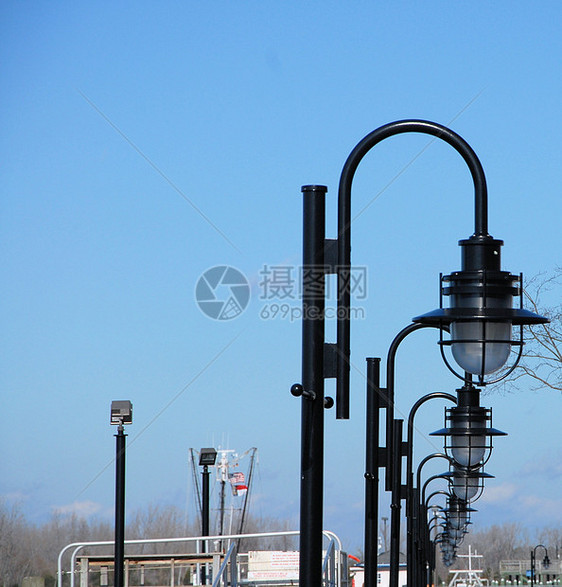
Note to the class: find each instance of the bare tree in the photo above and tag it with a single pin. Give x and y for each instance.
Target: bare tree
(15, 559)
(158, 521)
(551, 537)
(507, 541)
(541, 359)
(266, 524)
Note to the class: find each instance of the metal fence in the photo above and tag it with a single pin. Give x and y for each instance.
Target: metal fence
(212, 560)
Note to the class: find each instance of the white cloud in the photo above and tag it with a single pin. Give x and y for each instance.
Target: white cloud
(516, 503)
(547, 509)
(548, 466)
(499, 493)
(14, 497)
(82, 509)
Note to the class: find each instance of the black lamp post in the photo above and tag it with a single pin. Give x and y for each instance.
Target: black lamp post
(388, 457)
(545, 562)
(207, 458)
(443, 539)
(412, 491)
(471, 441)
(429, 546)
(480, 318)
(121, 414)
(424, 554)
(456, 514)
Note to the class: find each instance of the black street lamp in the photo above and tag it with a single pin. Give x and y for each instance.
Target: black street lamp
(448, 539)
(428, 550)
(481, 314)
(545, 562)
(456, 516)
(207, 458)
(468, 432)
(412, 491)
(121, 414)
(388, 457)
(458, 513)
(479, 317)
(424, 553)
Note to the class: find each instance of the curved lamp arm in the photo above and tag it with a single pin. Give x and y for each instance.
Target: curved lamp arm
(436, 455)
(344, 225)
(540, 546)
(427, 482)
(438, 492)
(410, 432)
(546, 561)
(390, 381)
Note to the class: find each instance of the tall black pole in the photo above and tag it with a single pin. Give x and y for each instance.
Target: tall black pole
(204, 517)
(312, 420)
(412, 494)
(395, 505)
(372, 471)
(205, 503)
(119, 552)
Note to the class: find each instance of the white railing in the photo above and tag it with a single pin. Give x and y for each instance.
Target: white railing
(334, 572)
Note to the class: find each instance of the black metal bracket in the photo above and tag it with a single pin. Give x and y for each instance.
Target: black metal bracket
(383, 395)
(331, 255)
(298, 390)
(330, 360)
(382, 457)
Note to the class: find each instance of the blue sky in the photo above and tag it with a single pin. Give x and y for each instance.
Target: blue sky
(145, 142)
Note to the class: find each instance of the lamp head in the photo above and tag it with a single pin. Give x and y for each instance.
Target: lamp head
(467, 485)
(456, 535)
(207, 457)
(458, 513)
(121, 412)
(447, 546)
(480, 315)
(468, 432)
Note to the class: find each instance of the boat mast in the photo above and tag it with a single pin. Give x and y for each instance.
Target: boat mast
(249, 485)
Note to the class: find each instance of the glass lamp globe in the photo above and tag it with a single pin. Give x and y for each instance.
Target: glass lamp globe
(485, 356)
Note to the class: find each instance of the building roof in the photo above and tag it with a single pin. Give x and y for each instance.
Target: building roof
(384, 558)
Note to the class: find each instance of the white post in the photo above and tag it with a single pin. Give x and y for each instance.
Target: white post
(84, 567)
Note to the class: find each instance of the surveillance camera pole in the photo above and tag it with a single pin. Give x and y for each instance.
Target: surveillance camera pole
(119, 506)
